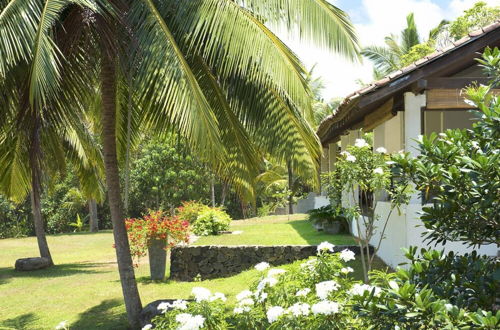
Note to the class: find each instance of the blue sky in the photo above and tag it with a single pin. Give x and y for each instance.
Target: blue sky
(373, 20)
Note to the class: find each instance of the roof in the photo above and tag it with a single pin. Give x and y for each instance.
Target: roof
(327, 132)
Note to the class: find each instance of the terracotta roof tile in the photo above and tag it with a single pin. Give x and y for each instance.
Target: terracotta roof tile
(423, 61)
(394, 74)
(461, 41)
(491, 27)
(382, 81)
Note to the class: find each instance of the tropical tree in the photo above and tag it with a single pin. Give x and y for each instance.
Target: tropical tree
(209, 70)
(394, 55)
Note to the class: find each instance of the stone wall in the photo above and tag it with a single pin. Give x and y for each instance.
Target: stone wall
(187, 262)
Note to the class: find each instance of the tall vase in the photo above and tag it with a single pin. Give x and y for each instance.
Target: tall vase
(157, 259)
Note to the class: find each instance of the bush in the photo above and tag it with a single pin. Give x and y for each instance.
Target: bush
(468, 281)
(211, 222)
(190, 211)
(320, 294)
(328, 214)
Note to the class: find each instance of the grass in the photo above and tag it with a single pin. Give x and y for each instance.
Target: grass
(275, 230)
(84, 289)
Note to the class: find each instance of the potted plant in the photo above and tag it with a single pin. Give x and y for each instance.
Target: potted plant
(156, 233)
(330, 218)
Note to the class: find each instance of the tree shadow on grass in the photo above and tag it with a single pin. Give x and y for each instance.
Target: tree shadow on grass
(313, 237)
(104, 316)
(7, 273)
(21, 322)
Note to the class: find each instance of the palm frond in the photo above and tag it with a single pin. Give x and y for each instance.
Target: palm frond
(384, 60)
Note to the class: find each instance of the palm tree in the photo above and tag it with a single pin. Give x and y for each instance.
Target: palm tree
(387, 59)
(209, 70)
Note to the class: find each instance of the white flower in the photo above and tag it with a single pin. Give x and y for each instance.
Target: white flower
(275, 271)
(381, 150)
(325, 246)
(361, 143)
(246, 301)
(325, 307)
(359, 289)
(147, 327)
(218, 295)
(271, 281)
(469, 102)
(448, 307)
(62, 325)
(443, 135)
(262, 266)
(346, 270)
(475, 144)
(189, 322)
(347, 255)
(261, 296)
(179, 304)
(201, 294)
(299, 309)
(303, 292)
(344, 153)
(239, 310)
(350, 158)
(310, 264)
(163, 307)
(244, 294)
(378, 170)
(323, 289)
(274, 313)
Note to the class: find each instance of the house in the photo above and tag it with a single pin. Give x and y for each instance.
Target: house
(421, 98)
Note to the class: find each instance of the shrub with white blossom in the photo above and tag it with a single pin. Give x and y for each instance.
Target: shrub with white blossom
(360, 172)
(313, 294)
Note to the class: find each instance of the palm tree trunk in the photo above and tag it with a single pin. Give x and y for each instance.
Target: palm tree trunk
(125, 266)
(212, 190)
(290, 184)
(36, 191)
(93, 221)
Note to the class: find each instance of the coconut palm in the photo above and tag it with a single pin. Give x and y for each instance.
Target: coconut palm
(209, 70)
(387, 59)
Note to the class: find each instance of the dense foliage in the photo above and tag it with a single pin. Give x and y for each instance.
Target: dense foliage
(469, 281)
(164, 173)
(458, 171)
(321, 294)
(328, 214)
(211, 221)
(474, 18)
(155, 226)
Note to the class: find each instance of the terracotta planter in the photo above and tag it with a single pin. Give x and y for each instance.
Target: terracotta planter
(157, 259)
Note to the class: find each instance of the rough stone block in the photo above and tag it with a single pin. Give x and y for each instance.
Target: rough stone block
(27, 264)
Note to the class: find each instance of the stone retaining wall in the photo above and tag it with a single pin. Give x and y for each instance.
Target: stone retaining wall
(187, 262)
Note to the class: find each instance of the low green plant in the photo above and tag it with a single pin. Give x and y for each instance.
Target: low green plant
(328, 213)
(211, 222)
(190, 210)
(78, 224)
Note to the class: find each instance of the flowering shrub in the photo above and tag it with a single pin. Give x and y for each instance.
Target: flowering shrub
(320, 293)
(155, 226)
(371, 172)
(311, 295)
(211, 222)
(190, 211)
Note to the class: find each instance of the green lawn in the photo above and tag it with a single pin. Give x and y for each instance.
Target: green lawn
(84, 288)
(275, 230)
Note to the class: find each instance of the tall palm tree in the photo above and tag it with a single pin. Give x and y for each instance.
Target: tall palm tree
(387, 59)
(210, 70)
